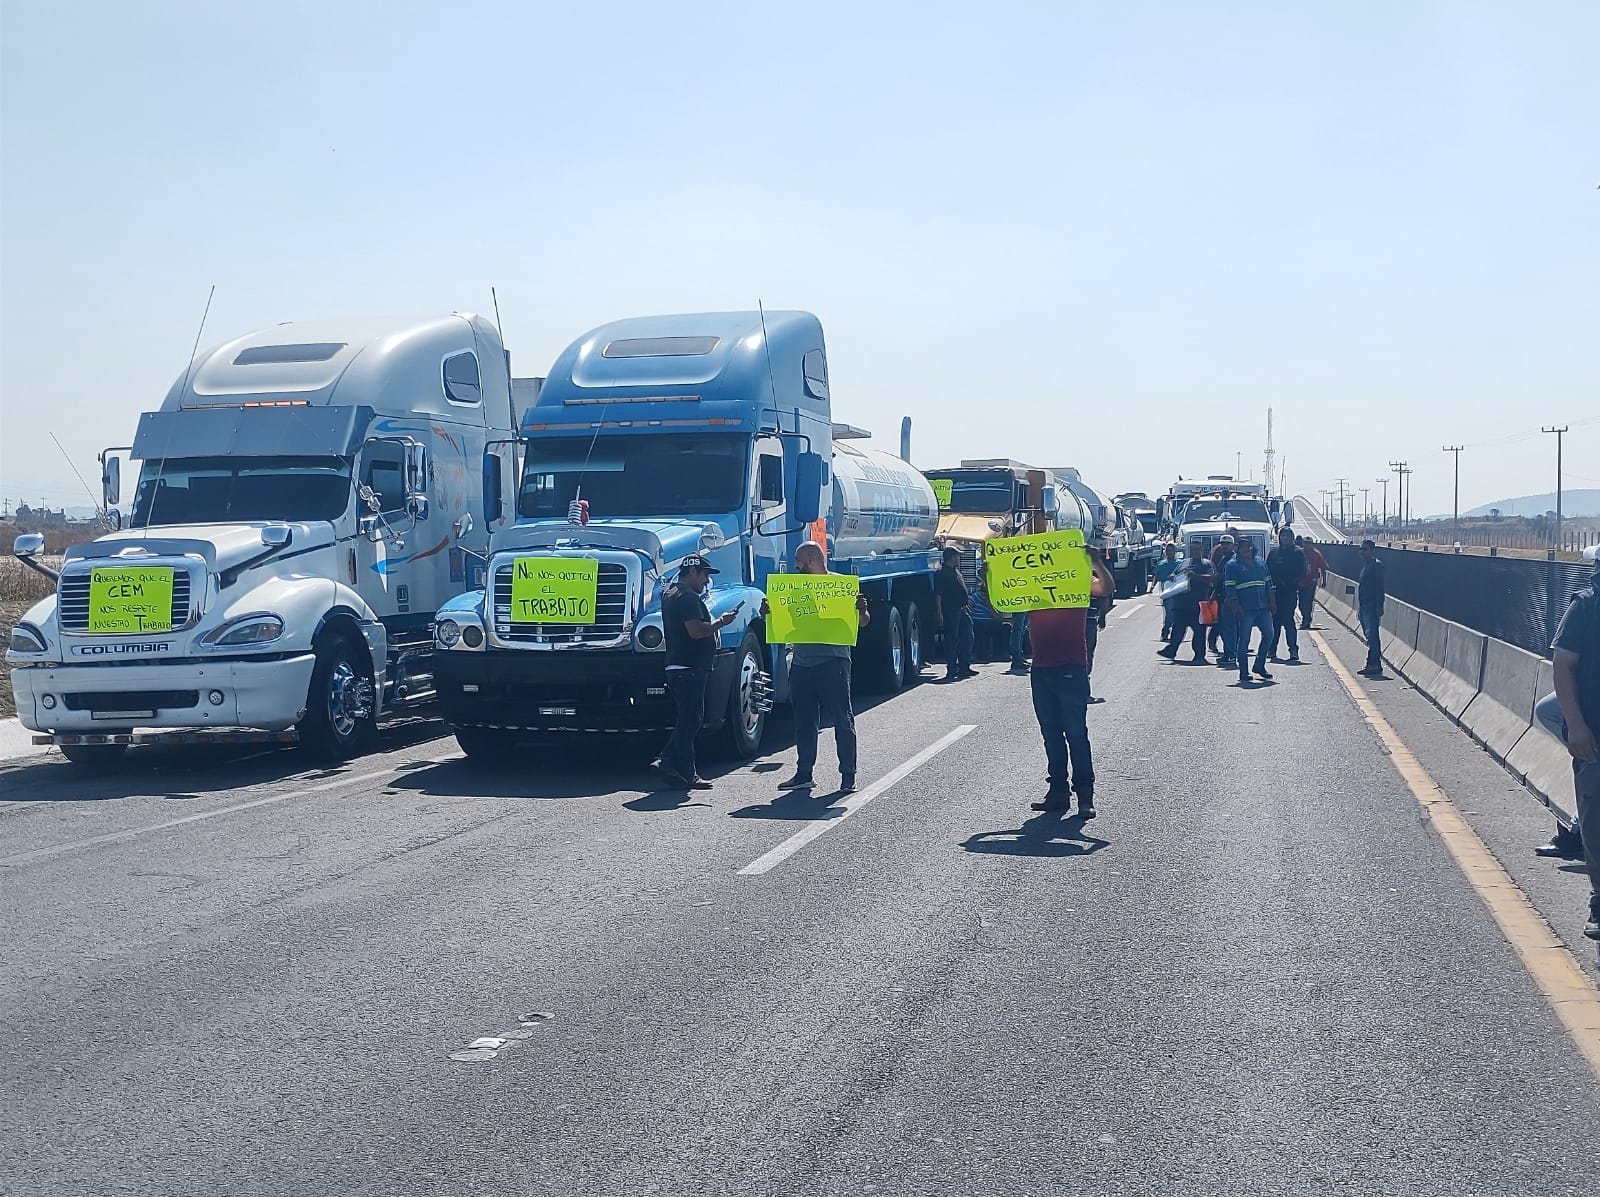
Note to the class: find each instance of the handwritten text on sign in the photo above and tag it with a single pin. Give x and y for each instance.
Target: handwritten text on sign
(813, 608)
(130, 598)
(1032, 573)
(554, 590)
(944, 490)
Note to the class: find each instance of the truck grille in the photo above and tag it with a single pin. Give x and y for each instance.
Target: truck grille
(72, 598)
(611, 613)
(133, 700)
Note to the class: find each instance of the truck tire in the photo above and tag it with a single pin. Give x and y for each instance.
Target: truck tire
(486, 745)
(341, 718)
(746, 723)
(911, 617)
(889, 653)
(1124, 584)
(97, 758)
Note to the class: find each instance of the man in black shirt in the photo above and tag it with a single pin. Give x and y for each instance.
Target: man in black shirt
(955, 614)
(691, 648)
(1287, 565)
(1577, 667)
(1369, 606)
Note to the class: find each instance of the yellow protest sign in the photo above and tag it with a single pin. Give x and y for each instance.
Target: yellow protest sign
(554, 590)
(944, 490)
(130, 598)
(813, 608)
(1031, 573)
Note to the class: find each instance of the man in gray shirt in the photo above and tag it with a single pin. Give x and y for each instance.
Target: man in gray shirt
(819, 683)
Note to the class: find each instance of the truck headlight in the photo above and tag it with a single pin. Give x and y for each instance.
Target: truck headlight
(260, 628)
(25, 638)
(447, 632)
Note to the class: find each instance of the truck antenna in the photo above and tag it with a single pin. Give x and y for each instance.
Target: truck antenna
(184, 386)
(75, 470)
(766, 347)
(511, 400)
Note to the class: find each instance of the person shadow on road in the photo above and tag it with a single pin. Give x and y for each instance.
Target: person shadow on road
(1046, 835)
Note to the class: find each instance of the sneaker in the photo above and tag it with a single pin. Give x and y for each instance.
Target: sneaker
(1261, 671)
(1227, 662)
(672, 776)
(800, 781)
(847, 783)
(1199, 659)
(1169, 653)
(699, 783)
(1566, 844)
(1086, 804)
(1020, 668)
(1592, 927)
(1294, 658)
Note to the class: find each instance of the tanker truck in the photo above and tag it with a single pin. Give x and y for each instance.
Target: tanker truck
(653, 438)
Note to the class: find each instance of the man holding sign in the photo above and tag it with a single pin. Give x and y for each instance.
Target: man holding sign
(820, 614)
(1051, 575)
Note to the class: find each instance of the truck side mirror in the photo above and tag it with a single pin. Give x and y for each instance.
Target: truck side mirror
(416, 470)
(1050, 502)
(1288, 514)
(29, 544)
(807, 507)
(111, 481)
(493, 502)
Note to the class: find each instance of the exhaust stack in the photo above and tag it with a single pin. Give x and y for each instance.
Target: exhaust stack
(905, 439)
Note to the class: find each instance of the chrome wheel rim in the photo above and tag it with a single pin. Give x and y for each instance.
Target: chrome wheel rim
(344, 686)
(749, 716)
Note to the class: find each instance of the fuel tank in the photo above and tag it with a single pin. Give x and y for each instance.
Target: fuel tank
(881, 504)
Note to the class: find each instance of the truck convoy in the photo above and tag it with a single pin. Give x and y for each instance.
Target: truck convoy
(987, 498)
(651, 439)
(288, 545)
(1129, 552)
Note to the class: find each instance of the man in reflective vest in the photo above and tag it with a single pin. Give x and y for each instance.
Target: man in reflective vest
(1246, 582)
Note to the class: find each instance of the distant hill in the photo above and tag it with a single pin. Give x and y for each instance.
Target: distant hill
(1577, 503)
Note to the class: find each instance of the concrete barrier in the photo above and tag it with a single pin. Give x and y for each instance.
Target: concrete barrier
(1461, 678)
(1502, 712)
(1423, 667)
(1399, 636)
(1541, 761)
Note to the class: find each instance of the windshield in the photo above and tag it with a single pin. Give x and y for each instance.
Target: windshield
(226, 490)
(1148, 521)
(1244, 511)
(990, 492)
(671, 475)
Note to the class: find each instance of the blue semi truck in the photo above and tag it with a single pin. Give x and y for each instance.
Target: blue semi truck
(653, 438)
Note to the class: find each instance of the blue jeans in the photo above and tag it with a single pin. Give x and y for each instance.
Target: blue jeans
(1019, 638)
(1061, 704)
(958, 644)
(1243, 625)
(1371, 619)
(823, 690)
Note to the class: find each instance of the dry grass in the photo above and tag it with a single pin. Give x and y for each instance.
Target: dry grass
(20, 588)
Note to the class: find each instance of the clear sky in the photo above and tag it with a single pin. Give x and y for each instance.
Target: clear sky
(1102, 235)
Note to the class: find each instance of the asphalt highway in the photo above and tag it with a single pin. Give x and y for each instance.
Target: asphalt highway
(1260, 970)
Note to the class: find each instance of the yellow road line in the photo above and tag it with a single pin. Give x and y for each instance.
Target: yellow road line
(1553, 968)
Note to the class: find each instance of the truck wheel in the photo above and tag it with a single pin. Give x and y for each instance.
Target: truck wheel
(746, 723)
(912, 616)
(94, 757)
(889, 668)
(486, 745)
(340, 717)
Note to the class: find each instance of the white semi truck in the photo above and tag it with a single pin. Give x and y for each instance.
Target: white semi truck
(291, 537)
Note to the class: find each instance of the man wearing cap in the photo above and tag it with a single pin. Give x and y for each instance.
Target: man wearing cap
(1577, 669)
(1369, 606)
(691, 650)
(1245, 583)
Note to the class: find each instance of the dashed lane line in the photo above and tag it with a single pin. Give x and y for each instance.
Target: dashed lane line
(1552, 966)
(768, 861)
(116, 837)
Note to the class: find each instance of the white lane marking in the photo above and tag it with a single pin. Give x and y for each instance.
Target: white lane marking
(489, 1047)
(115, 837)
(768, 861)
(1131, 611)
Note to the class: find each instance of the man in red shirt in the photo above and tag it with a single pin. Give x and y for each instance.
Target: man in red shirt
(1060, 683)
(1316, 574)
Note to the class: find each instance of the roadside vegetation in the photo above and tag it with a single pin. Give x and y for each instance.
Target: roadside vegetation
(20, 588)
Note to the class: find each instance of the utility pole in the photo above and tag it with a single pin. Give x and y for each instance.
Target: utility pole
(1455, 507)
(1266, 474)
(1366, 506)
(1341, 482)
(1560, 432)
(1384, 482)
(1406, 472)
(1238, 463)
(1399, 468)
